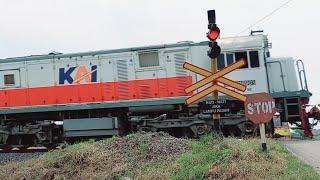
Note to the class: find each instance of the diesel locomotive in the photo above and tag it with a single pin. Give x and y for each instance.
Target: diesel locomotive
(47, 99)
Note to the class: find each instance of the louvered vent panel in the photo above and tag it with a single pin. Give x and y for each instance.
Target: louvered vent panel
(108, 91)
(145, 91)
(108, 88)
(124, 90)
(163, 86)
(181, 85)
(179, 59)
(122, 69)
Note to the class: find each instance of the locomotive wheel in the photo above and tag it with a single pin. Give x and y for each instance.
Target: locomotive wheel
(51, 146)
(6, 147)
(235, 132)
(199, 130)
(147, 129)
(23, 148)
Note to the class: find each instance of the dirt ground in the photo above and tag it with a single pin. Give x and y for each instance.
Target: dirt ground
(307, 150)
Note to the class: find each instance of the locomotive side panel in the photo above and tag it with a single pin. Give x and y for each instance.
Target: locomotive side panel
(11, 79)
(283, 75)
(199, 58)
(40, 73)
(106, 69)
(178, 77)
(112, 77)
(12, 75)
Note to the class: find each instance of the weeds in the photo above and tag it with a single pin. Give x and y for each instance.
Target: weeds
(160, 156)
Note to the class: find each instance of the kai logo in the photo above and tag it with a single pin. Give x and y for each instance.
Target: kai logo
(78, 74)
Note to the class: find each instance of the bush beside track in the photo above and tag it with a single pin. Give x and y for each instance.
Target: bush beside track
(160, 156)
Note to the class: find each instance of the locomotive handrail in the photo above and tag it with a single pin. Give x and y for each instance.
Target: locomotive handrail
(281, 73)
(301, 70)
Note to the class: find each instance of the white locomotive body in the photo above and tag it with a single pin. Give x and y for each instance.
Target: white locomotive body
(108, 92)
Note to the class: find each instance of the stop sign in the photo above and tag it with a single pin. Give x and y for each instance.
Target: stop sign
(260, 107)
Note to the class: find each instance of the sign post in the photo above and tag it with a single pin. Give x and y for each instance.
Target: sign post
(216, 117)
(263, 137)
(260, 109)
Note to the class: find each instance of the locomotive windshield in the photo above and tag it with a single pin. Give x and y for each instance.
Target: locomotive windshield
(230, 57)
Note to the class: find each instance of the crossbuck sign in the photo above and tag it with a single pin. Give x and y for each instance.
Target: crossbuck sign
(217, 80)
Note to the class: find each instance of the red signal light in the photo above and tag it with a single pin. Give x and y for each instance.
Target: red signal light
(213, 34)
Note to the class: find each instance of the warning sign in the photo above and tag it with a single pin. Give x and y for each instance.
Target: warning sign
(216, 107)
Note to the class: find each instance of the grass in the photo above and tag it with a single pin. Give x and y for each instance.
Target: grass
(143, 156)
(231, 158)
(194, 164)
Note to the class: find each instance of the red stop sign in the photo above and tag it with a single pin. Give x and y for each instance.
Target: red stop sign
(260, 107)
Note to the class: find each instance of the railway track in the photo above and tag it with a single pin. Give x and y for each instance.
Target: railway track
(31, 150)
(18, 155)
(28, 150)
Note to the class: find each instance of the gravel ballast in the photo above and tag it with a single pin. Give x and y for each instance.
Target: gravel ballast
(17, 157)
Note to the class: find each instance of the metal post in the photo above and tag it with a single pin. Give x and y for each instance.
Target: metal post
(263, 137)
(216, 117)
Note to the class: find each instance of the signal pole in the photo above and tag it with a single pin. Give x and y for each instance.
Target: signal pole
(216, 117)
(213, 53)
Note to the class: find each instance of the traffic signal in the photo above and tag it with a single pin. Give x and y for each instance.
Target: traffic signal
(213, 35)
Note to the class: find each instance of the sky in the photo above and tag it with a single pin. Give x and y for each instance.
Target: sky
(30, 27)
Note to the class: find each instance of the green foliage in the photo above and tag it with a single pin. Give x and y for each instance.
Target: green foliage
(205, 153)
(213, 157)
(295, 168)
(151, 156)
(194, 165)
(144, 148)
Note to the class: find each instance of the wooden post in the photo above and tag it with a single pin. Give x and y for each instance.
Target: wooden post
(216, 117)
(263, 137)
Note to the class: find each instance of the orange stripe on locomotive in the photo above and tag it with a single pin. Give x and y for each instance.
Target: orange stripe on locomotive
(96, 92)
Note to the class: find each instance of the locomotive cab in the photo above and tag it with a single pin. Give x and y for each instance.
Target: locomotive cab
(288, 85)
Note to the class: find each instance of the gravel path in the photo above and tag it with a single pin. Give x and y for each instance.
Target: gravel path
(16, 157)
(307, 150)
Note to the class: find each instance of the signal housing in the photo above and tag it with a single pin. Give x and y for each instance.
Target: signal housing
(213, 35)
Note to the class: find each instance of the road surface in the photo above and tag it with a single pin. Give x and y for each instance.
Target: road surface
(307, 150)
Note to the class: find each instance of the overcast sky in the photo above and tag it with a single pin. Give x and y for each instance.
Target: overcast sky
(42, 26)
